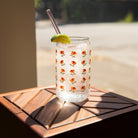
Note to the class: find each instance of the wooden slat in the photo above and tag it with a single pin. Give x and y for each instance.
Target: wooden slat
(106, 105)
(66, 115)
(84, 114)
(49, 112)
(35, 126)
(124, 98)
(77, 124)
(26, 90)
(99, 89)
(13, 97)
(24, 98)
(81, 103)
(107, 99)
(94, 90)
(102, 94)
(116, 95)
(23, 117)
(44, 109)
(37, 102)
(53, 90)
(99, 111)
(11, 107)
(53, 97)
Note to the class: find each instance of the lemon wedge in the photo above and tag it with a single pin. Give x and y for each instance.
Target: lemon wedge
(61, 38)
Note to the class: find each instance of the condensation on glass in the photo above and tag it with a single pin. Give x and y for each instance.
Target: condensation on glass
(73, 70)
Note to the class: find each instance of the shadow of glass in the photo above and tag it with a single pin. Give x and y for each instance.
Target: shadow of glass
(68, 110)
(57, 113)
(101, 104)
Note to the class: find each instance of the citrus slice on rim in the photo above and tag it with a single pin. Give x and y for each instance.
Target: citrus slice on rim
(61, 38)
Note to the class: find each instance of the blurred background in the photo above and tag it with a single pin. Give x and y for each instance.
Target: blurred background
(112, 26)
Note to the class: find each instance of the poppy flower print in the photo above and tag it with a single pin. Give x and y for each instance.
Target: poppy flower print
(90, 52)
(62, 87)
(84, 71)
(62, 79)
(62, 71)
(62, 63)
(83, 63)
(62, 53)
(89, 86)
(84, 53)
(83, 79)
(56, 69)
(90, 61)
(56, 77)
(73, 89)
(72, 80)
(89, 77)
(89, 70)
(72, 72)
(69, 67)
(73, 63)
(73, 53)
(83, 88)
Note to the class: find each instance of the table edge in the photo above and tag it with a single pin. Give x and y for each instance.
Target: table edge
(72, 126)
(22, 116)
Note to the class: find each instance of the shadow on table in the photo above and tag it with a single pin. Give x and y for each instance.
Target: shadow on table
(12, 127)
(55, 113)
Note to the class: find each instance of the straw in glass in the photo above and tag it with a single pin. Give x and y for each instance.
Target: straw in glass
(49, 13)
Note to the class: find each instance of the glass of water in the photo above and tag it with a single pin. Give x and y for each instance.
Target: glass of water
(73, 70)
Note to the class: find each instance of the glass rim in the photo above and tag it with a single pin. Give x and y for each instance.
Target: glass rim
(78, 38)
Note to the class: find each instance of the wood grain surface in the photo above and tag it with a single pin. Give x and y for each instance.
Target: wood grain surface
(45, 114)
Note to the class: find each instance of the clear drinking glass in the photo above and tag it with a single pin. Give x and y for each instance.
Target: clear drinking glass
(73, 70)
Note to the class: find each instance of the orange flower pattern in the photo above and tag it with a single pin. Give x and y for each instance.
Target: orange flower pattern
(84, 53)
(73, 89)
(62, 71)
(72, 80)
(62, 79)
(90, 61)
(73, 53)
(62, 87)
(89, 70)
(62, 63)
(83, 63)
(56, 69)
(89, 86)
(84, 71)
(83, 88)
(72, 71)
(83, 79)
(90, 52)
(74, 64)
(62, 53)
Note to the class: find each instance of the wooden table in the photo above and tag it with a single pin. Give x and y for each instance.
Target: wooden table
(40, 109)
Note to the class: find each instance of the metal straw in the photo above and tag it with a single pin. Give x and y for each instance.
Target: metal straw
(49, 13)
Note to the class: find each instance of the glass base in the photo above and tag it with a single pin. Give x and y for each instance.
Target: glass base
(72, 97)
